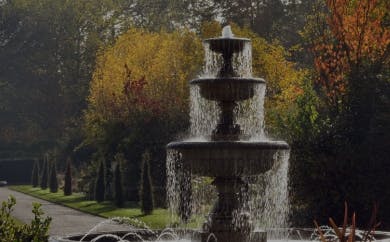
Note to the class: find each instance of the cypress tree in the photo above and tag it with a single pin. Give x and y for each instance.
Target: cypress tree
(44, 175)
(35, 175)
(53, 182)
(68, 179)
(146, 187)
(99, 184)
(118, 182)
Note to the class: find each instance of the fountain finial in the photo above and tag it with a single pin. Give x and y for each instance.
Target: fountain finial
(227, 32)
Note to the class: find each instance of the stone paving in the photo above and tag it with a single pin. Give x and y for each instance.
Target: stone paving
(65, 220)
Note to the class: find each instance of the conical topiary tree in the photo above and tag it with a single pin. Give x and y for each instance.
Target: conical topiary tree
(35, 174)
(44, 175)
(146, 186)
(68, 179)
(53, 182)
(100, 184)
(118, 182)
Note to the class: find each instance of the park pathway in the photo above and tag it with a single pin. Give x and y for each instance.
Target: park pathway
(65, 220)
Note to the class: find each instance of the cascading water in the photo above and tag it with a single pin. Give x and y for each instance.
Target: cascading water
(269, 192)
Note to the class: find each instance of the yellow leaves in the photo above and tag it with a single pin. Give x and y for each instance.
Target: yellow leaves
(166, 61)
(210, 29)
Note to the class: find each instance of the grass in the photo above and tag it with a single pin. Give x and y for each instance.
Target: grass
(159, 219)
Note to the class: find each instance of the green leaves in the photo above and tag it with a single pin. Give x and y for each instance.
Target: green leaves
(10, 231)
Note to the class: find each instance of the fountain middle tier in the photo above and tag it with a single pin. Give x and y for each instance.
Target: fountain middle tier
(227, 88)
(227, 158)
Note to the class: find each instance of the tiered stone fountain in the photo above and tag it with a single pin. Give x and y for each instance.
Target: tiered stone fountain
(227, 154)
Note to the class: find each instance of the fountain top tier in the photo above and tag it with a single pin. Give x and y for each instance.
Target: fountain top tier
(227, 87)
(227, 45)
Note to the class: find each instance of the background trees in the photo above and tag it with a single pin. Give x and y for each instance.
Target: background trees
(47, 51)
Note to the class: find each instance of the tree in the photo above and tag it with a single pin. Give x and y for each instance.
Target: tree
(146, 186)
(45, 173)
(53, 46)
(35, 174)
(53, 182)
(344, 50)
(118, 182)
(68, 179)
(100, 184)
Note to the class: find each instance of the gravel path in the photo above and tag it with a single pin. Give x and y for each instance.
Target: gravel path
(65, 220)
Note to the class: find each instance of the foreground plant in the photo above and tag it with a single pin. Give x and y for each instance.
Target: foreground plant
(10, 231)
(348, 234)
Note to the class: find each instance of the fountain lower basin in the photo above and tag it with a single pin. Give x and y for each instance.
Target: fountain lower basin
(228, 158)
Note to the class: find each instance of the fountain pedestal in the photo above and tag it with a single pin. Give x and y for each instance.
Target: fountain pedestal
(225, 215)
(227, 221)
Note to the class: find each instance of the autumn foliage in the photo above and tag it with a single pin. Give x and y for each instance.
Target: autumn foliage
(144, 72)
(356, 36)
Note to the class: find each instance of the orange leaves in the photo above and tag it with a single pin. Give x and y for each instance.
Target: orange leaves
(356, 36)
(358, 27)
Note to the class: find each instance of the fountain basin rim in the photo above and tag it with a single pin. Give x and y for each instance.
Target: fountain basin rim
(227, 38)
(266, 145)
(224, 80)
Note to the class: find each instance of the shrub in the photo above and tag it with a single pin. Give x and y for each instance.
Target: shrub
(12, 232)
(35, 174)
(100, 185)
(68, 179)
(146, 187)
(44, 175)
(53, 182)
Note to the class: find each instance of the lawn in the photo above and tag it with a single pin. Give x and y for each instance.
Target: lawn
(159, 218)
